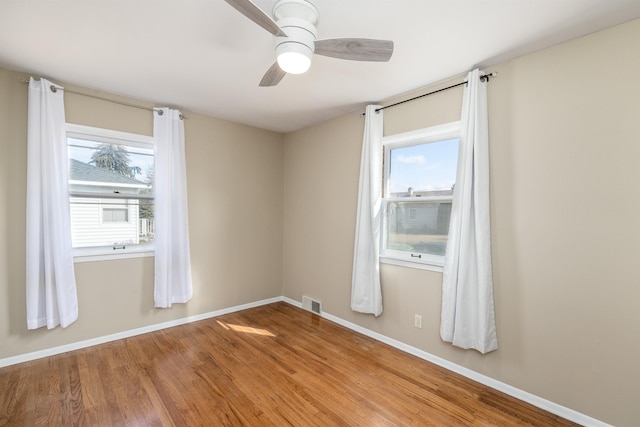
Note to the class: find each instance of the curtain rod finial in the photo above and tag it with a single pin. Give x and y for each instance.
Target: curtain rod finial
(486, 77)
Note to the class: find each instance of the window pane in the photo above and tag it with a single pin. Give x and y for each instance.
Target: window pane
(105, 170)
(423, 169)
(420, 227)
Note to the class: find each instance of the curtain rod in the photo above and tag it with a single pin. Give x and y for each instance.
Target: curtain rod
(55, 88)
(484, 77)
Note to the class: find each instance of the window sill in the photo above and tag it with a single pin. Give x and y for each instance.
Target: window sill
(103, 254)
(416, 265)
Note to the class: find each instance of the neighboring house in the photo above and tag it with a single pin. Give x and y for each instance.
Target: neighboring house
(103, 221)
(420, 226)
(429, 217)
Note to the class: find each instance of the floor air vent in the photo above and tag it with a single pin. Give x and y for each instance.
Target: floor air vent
(311, 305)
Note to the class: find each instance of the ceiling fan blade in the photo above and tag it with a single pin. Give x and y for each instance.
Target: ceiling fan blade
(253, 12)
(273, 76)
(356, 49)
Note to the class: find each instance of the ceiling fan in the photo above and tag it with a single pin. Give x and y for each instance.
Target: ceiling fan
(294, 27)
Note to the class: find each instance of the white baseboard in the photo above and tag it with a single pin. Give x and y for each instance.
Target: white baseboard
(532, 399)
(130, 333)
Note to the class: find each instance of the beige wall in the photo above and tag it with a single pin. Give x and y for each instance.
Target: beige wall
(565, 193)
(235, 211)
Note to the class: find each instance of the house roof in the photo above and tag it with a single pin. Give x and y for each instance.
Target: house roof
(79, 171)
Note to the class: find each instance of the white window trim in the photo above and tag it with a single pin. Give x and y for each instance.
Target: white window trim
(433, 266)
(109, 136)
(422, 136)
(105, 253)
(406, 139)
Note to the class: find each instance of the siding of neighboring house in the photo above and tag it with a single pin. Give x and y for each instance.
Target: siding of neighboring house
(426, 218)
(430, 218)
(90, 229)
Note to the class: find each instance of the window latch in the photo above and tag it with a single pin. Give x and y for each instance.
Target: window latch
(416, 256)
(119, 247)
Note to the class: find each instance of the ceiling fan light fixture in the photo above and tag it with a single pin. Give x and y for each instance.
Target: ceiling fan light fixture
(295, 51)
(294, 58)
(294, 26)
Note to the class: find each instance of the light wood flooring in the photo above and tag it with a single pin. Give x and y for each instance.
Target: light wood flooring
(274, 365)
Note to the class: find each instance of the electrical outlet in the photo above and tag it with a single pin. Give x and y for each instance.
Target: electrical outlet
(417, 321)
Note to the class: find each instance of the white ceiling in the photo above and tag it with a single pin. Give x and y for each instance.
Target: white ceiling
(204, 56)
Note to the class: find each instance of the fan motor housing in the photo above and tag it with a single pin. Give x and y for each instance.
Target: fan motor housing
(298, 19)
(299, 32)
(295, 9)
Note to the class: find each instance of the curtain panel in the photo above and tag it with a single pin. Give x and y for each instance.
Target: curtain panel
(468, 313)
(366, 292)
(50, 277)
(172, 254)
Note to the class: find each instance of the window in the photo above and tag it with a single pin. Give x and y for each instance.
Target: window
(115, 214)
(111, 191)
(419, 180)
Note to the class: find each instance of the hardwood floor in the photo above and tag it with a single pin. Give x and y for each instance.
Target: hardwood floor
(274, 365)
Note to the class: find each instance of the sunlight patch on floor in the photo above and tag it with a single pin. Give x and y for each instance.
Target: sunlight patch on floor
(245, 329)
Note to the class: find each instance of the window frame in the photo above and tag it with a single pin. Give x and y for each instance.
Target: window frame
(99, 253)
(408, 139)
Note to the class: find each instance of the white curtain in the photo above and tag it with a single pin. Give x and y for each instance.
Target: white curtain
(366, 293)
(468, 315)
(50, 277)
(172, 256)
